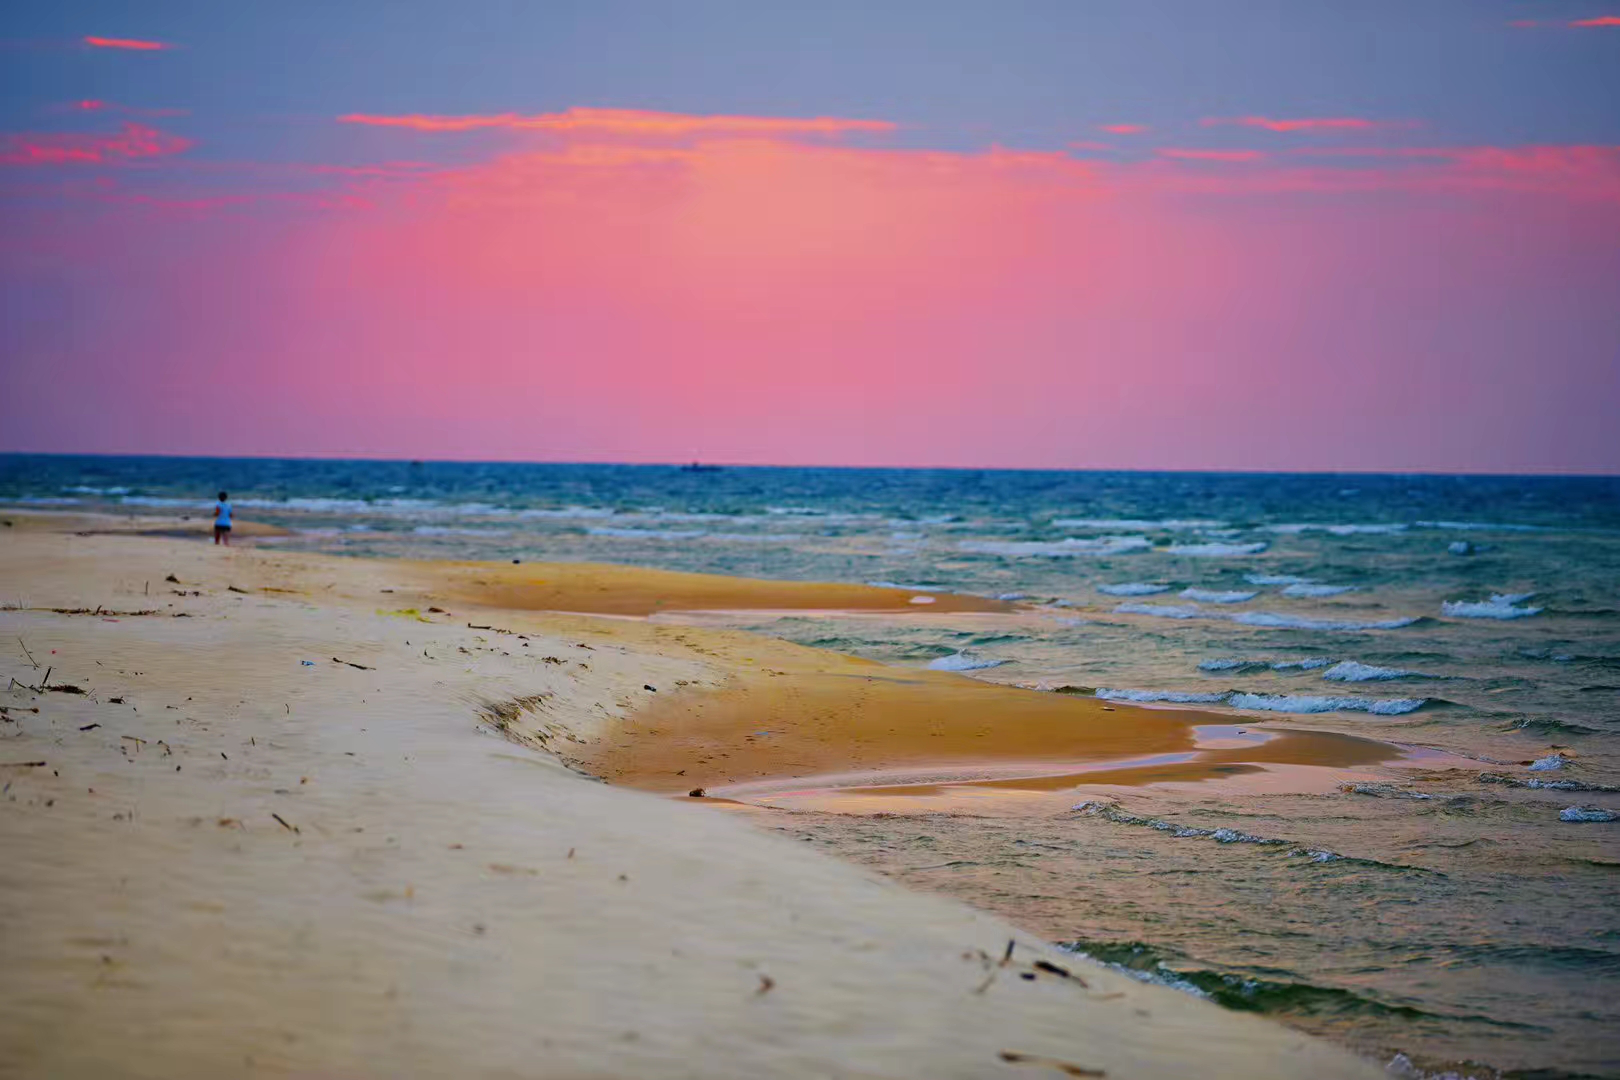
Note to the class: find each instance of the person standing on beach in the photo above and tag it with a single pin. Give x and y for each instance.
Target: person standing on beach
(222, 519)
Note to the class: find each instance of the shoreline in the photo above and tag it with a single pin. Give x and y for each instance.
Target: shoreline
(236, 860)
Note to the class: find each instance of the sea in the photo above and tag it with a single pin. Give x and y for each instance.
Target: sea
(1463, 922)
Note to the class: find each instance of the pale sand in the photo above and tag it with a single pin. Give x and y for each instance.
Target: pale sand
(453, 903)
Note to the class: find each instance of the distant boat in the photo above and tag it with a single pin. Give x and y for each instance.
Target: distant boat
(698, 466)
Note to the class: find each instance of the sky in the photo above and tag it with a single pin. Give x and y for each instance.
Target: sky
(1188, 234)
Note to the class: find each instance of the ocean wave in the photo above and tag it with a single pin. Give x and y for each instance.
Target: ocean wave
(907, 588)
(644, 534)
(1278, 621)
(1164, 611)
(1499, 606)
(1216, 550)
(1270, 620)
(453, 530)
(1133, 588)
(1338, 530)
(1479, 526)
(1310, 663)
(1549, 763)
(1302, 589)
(83, 489)
(1134, 523)
(1215, 596)
(963, 662)
(1283, 703)
(1354, 671)
(1276, 579)
(1160, 695)
(1309, 703)
(1232, 665)
(46, 500)
(1587, 813)
(1535, 782)
(1067, 548)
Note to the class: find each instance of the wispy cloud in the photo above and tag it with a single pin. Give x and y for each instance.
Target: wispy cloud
(1210, 155)
(98, 105)
(1123, 129)
(132, 142)
(135, 44)
(1312, 125)
(1601, 20)
(637, 122)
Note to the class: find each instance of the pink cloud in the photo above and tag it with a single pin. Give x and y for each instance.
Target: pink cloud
(1210, 155)
(1312, 125)
(628, 122)
(132, 142)
(1123, 129)
(1601, 20)
(126, 43)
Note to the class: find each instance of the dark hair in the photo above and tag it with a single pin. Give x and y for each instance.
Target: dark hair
(223, 496)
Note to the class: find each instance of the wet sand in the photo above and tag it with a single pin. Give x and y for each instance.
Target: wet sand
(230, 861)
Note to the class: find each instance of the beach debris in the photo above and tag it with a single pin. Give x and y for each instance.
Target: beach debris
(765, 984)
(1586, 813)
(1006, 957)
(307, 663)
(649, 686)
(1058, 970)
(87, 727)
(437, 611)
(233, 588)
(22, 765)
(26, 653)
(172, 580)
(283, 822)
(352, 664)
(65, 688)
(516, 561)
(115, 701)
(695, 793)
(1067, 1068)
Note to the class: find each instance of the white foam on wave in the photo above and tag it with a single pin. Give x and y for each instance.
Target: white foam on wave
(1312, 703)
(1216, 550)
(1499, 606)
(1134, 523)
(1278, 621)
(1479, 526)
(1308, 664)
(1303, 589)
(451, 530)
(1216, 596)
(1164, 611)
(84, 489)
(1586, 813)
(1133, 588)
(1275, 579)
(1175, 696)
(963, 662)
(644, 534)
(1548, 763)
(1270, 620)
(1354, 671)
(908, 588)
(1067, 548)
(1226, 664)
(1380, 529)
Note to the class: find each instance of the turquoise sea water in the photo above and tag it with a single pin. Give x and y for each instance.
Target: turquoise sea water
(1474, 615)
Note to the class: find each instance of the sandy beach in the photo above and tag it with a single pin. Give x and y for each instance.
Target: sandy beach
(300, 815)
